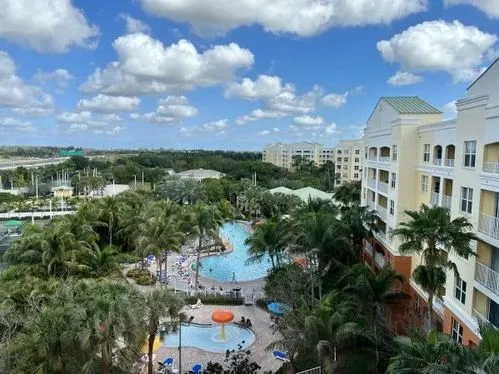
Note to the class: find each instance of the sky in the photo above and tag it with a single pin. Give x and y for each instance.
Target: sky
(228, 74)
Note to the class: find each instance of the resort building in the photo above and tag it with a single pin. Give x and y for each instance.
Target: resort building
(304, 193)
(200, 174)
(348, 161)
(414, 158)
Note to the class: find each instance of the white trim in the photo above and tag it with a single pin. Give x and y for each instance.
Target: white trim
(470, 321)
(472, 102)
(440, 171)
(444, 125)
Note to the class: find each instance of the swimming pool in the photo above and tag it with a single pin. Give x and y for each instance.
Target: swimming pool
(208, 338)
(221, 267)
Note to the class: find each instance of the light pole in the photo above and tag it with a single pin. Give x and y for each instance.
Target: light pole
(180, 342)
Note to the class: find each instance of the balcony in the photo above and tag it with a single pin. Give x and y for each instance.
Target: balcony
(379, 258)
(487, 277)
(491, 167)
(381, 211)
(384, 158)
(371, 205)
(446, 201)
(437, 162)
(383, 187)
(489, 225)
(449, 163)
(371, 183)
(482, 319)
(368, 248)
(434, 199)
(438, 306)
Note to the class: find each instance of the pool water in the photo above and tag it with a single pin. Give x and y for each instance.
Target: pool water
(222, 267)
(208, 338)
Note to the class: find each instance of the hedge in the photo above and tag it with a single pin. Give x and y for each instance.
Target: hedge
(215, 300)
(261, 303)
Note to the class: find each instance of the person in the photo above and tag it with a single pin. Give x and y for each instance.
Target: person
(243, 321)
(248, 323)
(234, 277)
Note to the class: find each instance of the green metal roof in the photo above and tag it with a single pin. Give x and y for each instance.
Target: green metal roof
(410, 105)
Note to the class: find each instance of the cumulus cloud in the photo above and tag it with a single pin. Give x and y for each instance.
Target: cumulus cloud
(85, 121)
(312, 126)
(146, 66)
(134, 25)
(337, 100)
(404, 78)
(264, 87)
(489, 7)
(450, 109)
(267, 132)
(171, 110)
(217, 127)
(300, 17)
(18, 96)
(439, 46)
(105, 103)
(46, 25)
(15, 124)
(61, 77)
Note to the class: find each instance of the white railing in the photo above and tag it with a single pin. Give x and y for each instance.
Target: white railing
(43, 214)
(371, 205)
(491, 167)
(449, 162)
(373, 158)
(446, 201)
(368, 248)
(371, 183)
(381, 211)
(438, 306)
(384, 158)
(489, 225)
(380, 259)
(316, 370)
(434, 198)
(383, 187)
(481, 318)
(437, 161)
(487, 277)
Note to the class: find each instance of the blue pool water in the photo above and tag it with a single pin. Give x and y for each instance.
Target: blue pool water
(208, 338)
(221, 267)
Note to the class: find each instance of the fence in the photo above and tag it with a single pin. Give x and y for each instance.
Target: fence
(316, 370)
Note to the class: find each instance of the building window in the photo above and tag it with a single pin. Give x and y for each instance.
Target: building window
(466, 199)
(417, 304)
(338, 151)
(345, 167)
(345, 175)
(457, 331)
(460, 290)
(356, 175)
(424, 183)
(345, 159)
(392, 207)
(357, 151)
(357, 159)
(356, 167)
(339, 159)
(394, 152)
(469, 154)
(426, 153)
(394, 180)
(338, 167)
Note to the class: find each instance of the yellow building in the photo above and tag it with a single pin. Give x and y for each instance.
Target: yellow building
(413, 157)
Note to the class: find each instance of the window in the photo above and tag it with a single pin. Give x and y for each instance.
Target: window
(339, 159)
(356, 175)
(345, 159)
(457, 331)
(338, 167)
(466, 199)
(357, 151)
(345, 167)
(424, 183)
(392, 207)
(426, 153)
(460, 290)
(356, 167)
(338, 151)
(417, 304)
(394, 152)
(345, 175)
(394, 180)
(357, 159)
(469, 154)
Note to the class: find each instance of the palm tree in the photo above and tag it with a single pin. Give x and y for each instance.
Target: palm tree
(432, 234)
(358, 223)
(348, 194)
(163, 315)
(269, 238)
(110, 207)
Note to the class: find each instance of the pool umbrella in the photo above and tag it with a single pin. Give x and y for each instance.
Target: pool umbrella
(156, 346)
(222, 316)
(278, 308)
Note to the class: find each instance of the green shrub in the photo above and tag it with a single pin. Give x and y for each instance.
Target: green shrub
(215, 300)
(261, 303)
(145, 280)
(136, 273)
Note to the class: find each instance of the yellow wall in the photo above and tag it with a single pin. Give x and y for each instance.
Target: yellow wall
(491, 152)
(422, 197)
(480, 302)
(488, 202)
(484, 253)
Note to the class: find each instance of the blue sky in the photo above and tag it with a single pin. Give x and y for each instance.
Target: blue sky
(228, 74)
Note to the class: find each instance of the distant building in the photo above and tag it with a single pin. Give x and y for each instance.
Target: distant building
(200, 174)
(348, 161)
(63, 191)
(304, 193)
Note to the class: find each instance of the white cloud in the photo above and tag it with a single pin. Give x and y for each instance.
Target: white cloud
(439, 46)
(217, 127)
(449, 109)
(336, 100)
(111, 117)
(146, 66)
(17, 95)
(403, 78)
(308, 121)
(489, 7)
(134, 25)
(276, 129)
(61, 77)
(312, 126)
(105, 103)
(46, 25)
(267, 132)
(264, 87)
(301, 17)
(15, 124)
(85, 121)
(171, 110)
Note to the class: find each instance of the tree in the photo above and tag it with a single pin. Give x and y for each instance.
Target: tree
(348, 193)
(268, 239)
(432, 234)
(110, 207)
(162, 310)
(235, 363)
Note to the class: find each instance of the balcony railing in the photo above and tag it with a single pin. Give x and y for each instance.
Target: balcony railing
(449, 162)
(368, 248)
(491, 167)
(487, 277)
(384, 158)
(381, 211)
(437, 161)
(379, 258)
(371, 183)
(373, 158)
(434, 198)
(438, 306)
(481, 318)
(446, 201)
(489, 225)
(383, 187)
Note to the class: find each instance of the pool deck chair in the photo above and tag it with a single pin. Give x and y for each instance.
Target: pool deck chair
(198, 305)
(280, 355)
(169, 361)
(197, 368)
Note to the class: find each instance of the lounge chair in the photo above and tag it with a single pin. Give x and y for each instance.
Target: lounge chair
(283, 356)
(198, 305)
(197, 368)
(169, 361)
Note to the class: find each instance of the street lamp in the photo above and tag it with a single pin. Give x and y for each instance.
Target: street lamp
(180, 341)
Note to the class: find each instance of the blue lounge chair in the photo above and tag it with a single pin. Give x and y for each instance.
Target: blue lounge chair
(283, 356)
(169, 361)
(197, 368)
